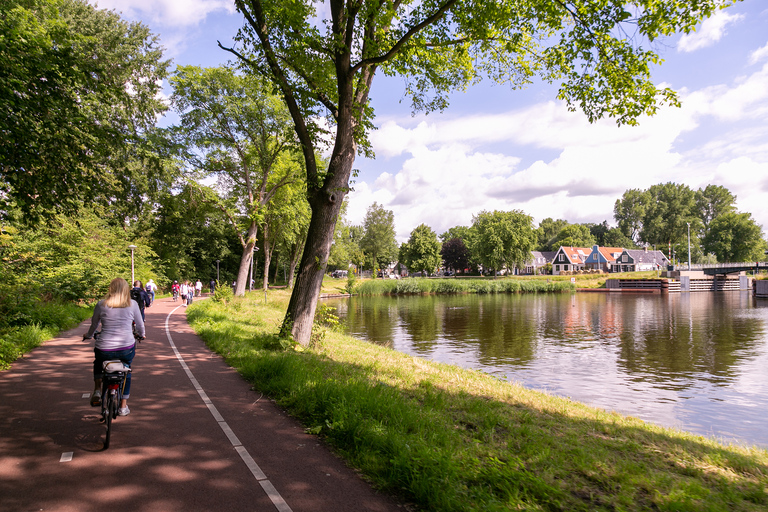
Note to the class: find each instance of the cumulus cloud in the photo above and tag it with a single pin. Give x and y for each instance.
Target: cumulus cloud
(711, 31)
(759, 55)
(172, 13)
(445, 173)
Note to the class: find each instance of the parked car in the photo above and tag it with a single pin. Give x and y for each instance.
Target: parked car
(339, 274)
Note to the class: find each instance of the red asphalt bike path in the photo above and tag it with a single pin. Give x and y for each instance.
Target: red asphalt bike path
(198, 436)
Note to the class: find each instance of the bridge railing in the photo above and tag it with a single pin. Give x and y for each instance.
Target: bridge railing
(708, 266)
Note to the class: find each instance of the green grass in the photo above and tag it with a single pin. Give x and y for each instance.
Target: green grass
(46, 321)
(449, 439)
(445, 286)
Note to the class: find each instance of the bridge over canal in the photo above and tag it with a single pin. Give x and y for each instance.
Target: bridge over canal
(721, 269)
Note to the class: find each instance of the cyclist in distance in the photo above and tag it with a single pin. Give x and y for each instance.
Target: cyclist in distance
(175, 290)
(116, 313)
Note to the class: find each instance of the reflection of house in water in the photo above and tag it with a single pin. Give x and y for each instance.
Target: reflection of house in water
(606, 259)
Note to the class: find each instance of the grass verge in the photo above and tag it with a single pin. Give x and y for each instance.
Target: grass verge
(448, 439)
(48, 319)
(511, 284)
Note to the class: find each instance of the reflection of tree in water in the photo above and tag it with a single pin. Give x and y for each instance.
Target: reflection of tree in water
(420, 317)
(696, 333)
(370, 320)
(654, 338)
(504, 330)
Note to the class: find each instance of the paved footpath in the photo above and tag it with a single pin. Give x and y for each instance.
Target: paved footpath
(198, 437)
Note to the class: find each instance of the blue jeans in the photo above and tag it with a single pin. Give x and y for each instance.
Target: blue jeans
(126, 356)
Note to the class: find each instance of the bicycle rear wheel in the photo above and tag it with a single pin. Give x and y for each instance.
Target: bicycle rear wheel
(110, 410)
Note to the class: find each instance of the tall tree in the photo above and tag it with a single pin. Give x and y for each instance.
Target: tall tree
(285, 227)
(189, 233)
(502, 239)
(713, 201)
(379, 238)
(460, 232)
(735, 237)
(547, 233)
(79, 98)
(455, 254)
(629, 212)
(671, 207)
(325, 69)
(422, 251)
(575, 235)
(233, 129)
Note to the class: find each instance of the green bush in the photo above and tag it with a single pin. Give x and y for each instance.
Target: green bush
(222, 294)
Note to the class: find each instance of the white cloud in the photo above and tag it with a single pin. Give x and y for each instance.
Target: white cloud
(711, 31)
(446, 173)
(759, 55)
(172, 13)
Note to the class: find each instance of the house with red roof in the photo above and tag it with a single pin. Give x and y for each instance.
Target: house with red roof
(570, 259)
(603, 258)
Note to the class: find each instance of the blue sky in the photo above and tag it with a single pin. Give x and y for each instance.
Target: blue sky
(496, 149)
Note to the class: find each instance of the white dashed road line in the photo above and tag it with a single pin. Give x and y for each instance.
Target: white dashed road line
(254, 468)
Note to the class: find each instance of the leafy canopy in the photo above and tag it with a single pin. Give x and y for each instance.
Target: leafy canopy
(78, 103)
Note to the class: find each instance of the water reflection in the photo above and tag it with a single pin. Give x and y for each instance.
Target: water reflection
(695, 361)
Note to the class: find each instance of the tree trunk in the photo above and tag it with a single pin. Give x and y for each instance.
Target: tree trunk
(294, 261)
(326, 205)
(267, 260)
(245, 260)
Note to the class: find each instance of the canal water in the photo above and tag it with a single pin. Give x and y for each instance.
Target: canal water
(695, 361)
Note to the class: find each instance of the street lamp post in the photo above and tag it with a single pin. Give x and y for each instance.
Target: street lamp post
(133, 276)
(689, 245)
(217, 270)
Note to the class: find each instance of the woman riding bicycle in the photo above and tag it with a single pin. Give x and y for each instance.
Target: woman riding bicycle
(116, 313)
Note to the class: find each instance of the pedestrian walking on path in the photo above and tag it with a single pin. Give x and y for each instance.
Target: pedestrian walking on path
(198, 436)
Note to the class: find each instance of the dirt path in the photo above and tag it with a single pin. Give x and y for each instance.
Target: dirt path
(197, 438)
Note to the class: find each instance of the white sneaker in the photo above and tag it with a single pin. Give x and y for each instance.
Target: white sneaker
(123, 411)
(96, 398)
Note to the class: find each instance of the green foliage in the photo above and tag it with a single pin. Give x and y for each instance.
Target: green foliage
(222, 294)
(735, 237)
(79, 98)
(379, 238)
(547, 233)
(502, 239)
(351, 280)
(455, 254)
(422, 251)
(71, 259)
(233, 128)
(442, 286)
(662, 214)
(32, 326)
(575, 235)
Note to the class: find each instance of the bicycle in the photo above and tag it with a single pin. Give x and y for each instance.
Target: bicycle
(112, 386)
(114, 376)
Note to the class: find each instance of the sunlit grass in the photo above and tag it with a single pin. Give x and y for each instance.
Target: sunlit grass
(47, 320)
(451, 439)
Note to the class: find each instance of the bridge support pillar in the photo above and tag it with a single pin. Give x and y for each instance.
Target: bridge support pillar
(745, 283)
(685, 283)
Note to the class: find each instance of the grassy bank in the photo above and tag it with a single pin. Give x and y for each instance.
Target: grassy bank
(44, 322)
(449, 439)
(511, 284)
(416, 286)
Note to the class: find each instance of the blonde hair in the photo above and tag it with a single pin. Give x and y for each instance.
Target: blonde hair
(119, 294)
